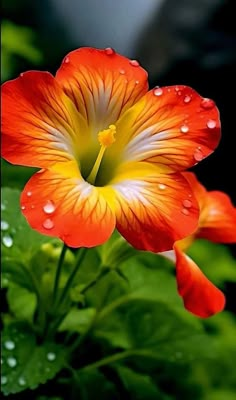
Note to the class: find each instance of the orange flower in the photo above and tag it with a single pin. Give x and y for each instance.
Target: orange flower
(110, 153)
(217, 223)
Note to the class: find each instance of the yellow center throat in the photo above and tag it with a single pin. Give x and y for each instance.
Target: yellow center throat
(106, 138)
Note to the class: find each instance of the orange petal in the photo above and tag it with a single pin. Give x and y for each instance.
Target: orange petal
(173, 127)
(151, 212)
(218, 218)
(217, 213)
(57, 204)
(40, 124)
(200, 296)
(102, 84)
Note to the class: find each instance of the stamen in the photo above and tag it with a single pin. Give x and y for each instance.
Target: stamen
(106, 138)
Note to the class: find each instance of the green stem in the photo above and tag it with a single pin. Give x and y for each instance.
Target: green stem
(112, 359)
(72, 276)
(58, 272)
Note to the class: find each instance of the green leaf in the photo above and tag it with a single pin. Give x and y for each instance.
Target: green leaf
(215, 260)
(78, 320)
(92, 384)
(26, 364)
(140, 387)
(19, 241)
(22, 303)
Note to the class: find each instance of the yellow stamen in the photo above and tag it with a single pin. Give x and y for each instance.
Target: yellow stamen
(106, 138)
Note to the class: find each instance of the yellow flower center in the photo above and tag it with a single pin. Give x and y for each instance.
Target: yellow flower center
(106, 138)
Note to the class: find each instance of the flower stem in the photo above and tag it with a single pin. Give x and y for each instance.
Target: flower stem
(58, 272)
(72, 276)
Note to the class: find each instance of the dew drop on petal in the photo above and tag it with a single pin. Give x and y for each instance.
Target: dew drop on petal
(207, 104)
(7, 241)
(157, 91)
(187, 203)
(161, 186)
(134, 63)
(109, 51)
(187, 99)
(184, 128)
(136, 82)
(4, 226)
(3, 380)
(48, 224)
(23, 207)
(49, 207)
(21, 74)
(9, 345)
(122, 71)
(51, 356)
(185, 211)
(29, 194)
(12, 362)
(66, 60)
(22, 381)
(198, 156)
(211, 124)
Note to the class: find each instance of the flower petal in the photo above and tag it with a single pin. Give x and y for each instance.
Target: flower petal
(61, 204)
(171, 127)
(217, 213)
(102, 84)
(218, 221)
(150, 210)
(40, 124)
(200, 296)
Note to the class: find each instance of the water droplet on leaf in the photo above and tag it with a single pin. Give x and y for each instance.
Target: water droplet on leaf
(22, 381)
(4, 226)
(11, 361)
(3, 207)
(3, 380)
(7, 241)
(51, 356)
(9, 345)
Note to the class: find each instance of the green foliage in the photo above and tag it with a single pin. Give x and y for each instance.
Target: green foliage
(17, 41)
(26, 364)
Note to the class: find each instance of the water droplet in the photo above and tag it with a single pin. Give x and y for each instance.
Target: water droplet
(134, 63)
(3, 207)
(32, 206)
(22, 381)
(198, 155)
(11, 361)
(109, 51)
(161, 186)
(207, 104)
(48, 224)
(179, 93)
(3, 380)
(184, 128)
(122, 71)
(21, 74)
(187, 203)
(49, 207)
(4, 226)
(187, 99)
(185, 211)
(7, 241)
(9, 345)
(66, 60)
(157, 91)
(51, 356)
(211, 124)
(177, 88)
(2, 361)
(23, 207)
(29, 194)
(136, 82)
